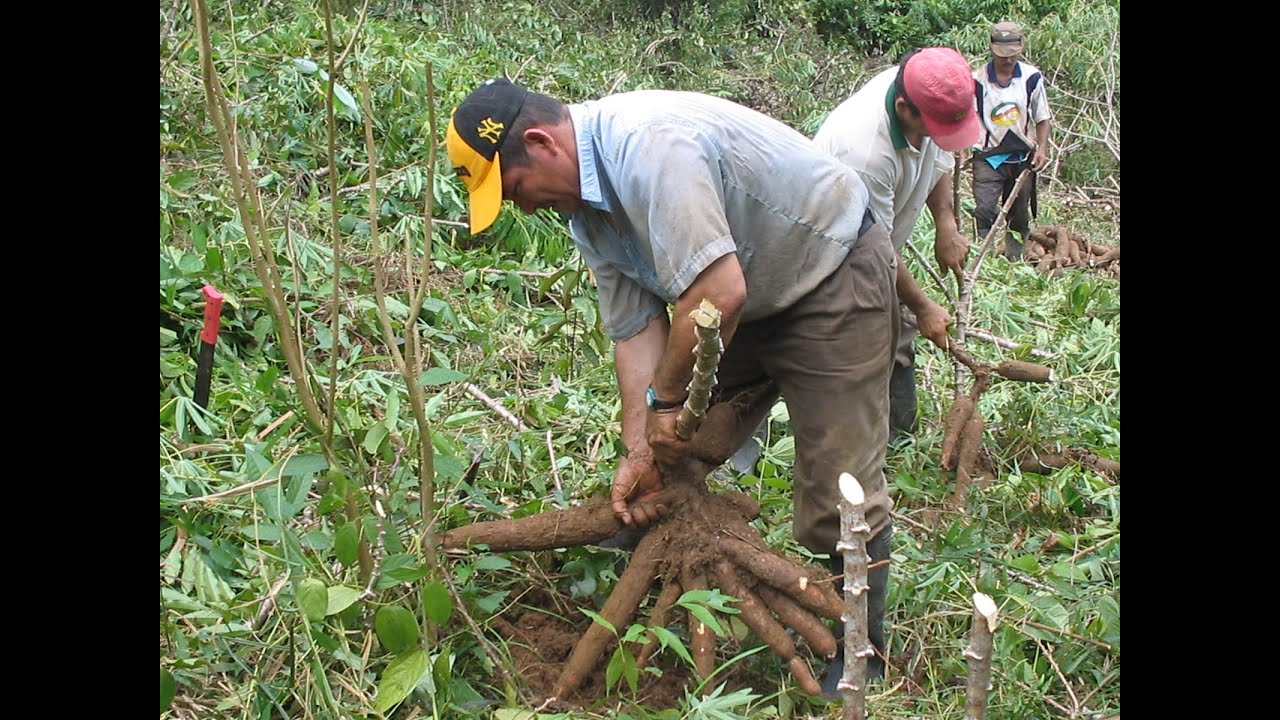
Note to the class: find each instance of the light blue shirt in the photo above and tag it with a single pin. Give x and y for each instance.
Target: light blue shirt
(689, 178)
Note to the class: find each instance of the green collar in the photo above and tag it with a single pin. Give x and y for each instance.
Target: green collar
(899, 140)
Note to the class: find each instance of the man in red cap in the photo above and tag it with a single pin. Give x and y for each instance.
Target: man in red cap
(1011, 101)
(898, 131)
(677, 197)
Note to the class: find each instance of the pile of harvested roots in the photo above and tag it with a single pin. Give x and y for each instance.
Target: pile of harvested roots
(1054, 247)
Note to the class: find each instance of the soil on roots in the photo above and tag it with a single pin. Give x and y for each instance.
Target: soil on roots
(540, 641)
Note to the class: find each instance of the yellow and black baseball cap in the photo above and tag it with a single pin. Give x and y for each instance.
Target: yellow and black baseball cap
(476, 132)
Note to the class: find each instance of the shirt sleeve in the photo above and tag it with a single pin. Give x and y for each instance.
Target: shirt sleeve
(1040, 103)
(672, 191)
(626, 307)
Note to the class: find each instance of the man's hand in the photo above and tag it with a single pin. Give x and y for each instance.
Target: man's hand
(660, 435)
(932, 319)
(637, 480)
(1040, 159)
(951, 250)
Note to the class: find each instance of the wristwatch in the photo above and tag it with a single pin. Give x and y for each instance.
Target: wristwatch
(652, 401)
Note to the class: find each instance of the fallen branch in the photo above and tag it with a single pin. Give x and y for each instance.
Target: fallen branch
(495, 406)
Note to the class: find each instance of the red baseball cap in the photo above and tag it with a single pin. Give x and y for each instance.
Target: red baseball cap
(939, 82)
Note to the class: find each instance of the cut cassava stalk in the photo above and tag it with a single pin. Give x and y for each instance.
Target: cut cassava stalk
(706, 322)
(964, 306)
(854, 534)
(979, 656)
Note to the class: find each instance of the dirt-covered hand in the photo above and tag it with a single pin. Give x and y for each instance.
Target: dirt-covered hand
(933, 320)
(660, 434)
(636, 484)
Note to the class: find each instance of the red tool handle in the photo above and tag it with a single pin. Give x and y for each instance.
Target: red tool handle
(212, 314)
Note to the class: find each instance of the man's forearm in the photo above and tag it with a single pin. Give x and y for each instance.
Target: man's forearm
(635, 361)
(723, 284)
(909, 291)
(942, 206)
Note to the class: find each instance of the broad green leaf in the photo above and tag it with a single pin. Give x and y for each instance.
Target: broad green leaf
(304, 465)
(1051, 612)
(313, 599)
(441, 675)
(615, 668)
(374, 437)
(521, 714)
(463, 417)
(440, 376)
(493, 562)
(436, 600)
(669, 639)
(400, 568)
(183, 180)
(318, 540)
(213, 260)
(707, 618)
(168, 689)
(263, 532)
(340, 598)
(1027, 563)
(305, 66)
(399, 679)
(345, 97)
(490, 602)
(190, 264)
(397, 629)
(598, 618)
(1068, 571)
(346, 544)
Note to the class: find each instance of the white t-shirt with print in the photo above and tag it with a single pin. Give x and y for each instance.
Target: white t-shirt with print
(1006, 108)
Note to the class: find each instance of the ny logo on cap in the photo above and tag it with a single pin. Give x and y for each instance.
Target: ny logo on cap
(490, 130)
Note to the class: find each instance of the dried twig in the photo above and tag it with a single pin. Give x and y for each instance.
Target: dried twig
(1048, 654)
(495, 406)
(270, 603)
(479, 634)
(919, 256)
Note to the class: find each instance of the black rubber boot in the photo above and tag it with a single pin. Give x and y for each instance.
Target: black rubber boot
(902, 402)
(1012, 249)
